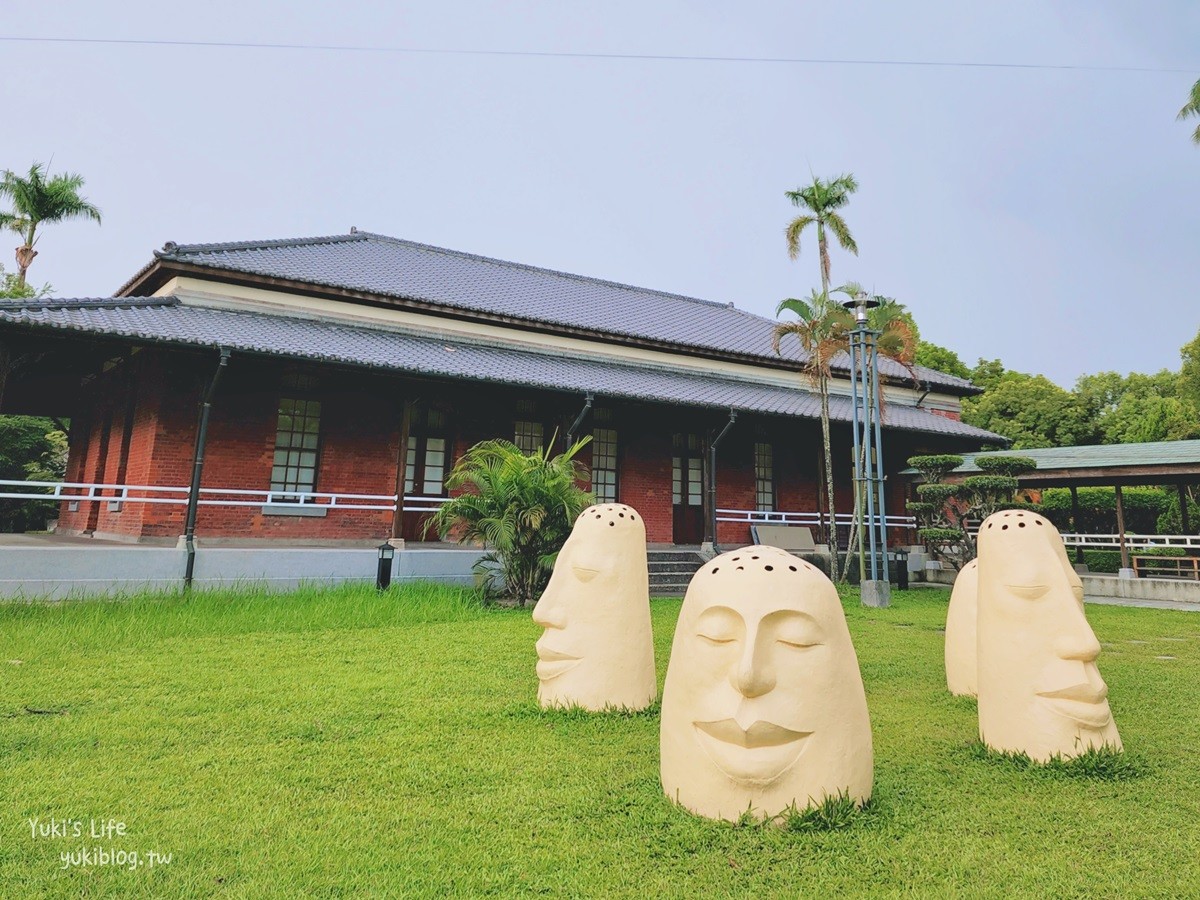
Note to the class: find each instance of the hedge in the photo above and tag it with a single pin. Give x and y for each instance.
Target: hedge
(1109, 561)
(1098, 509)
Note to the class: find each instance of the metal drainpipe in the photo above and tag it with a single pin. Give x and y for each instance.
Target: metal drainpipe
(189, 529)
(712, 478)
(587, 404)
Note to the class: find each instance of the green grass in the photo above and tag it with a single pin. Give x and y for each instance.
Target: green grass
(340, 743)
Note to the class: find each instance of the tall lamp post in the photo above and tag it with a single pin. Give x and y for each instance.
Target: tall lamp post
(868, 454)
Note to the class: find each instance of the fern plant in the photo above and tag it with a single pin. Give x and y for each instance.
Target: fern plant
(519, 506)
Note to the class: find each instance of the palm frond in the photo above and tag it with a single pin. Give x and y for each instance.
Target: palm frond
(794, 230)
(841, 231)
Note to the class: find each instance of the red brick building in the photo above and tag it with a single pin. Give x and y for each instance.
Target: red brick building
(330, 361)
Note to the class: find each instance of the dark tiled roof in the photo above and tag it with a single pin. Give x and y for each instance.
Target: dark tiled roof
(390, 267)
(166, 320)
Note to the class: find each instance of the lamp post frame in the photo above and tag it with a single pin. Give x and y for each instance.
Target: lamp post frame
(866, 414)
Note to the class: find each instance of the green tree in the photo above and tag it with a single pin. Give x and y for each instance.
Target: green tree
(1192, 108)
(520, 507)
(1189, 372)
(941, 359)
(987, 373)
(822, 200)
(37, 199)
(820, 327)
(31, 448)
(1032, 411)
(1138, 419)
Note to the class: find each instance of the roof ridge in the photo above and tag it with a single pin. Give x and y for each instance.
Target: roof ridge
(170, 248)
(88, 302)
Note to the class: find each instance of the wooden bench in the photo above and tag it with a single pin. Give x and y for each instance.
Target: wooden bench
(1167, 566)
(792, 538)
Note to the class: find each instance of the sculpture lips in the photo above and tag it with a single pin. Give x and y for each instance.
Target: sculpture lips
(552, 663)
(1084, 703)
(1083, 692)
(760, 734)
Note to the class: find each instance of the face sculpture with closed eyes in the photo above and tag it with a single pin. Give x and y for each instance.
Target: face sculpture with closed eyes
(1040, 691)
(763, 705)
(962, 662)
(597, 650)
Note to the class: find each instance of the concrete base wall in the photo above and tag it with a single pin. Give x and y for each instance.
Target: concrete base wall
(1174, 589)
(45, 573)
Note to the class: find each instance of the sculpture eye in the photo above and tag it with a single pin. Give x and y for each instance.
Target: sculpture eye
(800, 644)
(719, 638)
(584, 574)
(1029, 591)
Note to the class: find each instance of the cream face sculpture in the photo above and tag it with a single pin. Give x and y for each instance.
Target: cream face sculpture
(1040, 691)
(961, 655)
(763, 705)
(597, 650)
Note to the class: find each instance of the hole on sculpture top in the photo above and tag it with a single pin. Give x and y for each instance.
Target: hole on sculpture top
(769, 568)
(611, 524)
(597, 515)
(990, 524)
(1020, 524)
(793, 568)
(1037, 522)
(1004, 528)
(736, 558)
(741, 568)
(622, 515)
(754, 557)
(716, 570)
(632, 517)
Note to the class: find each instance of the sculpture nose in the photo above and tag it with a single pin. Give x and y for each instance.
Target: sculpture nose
(548, 612)
(752, 677)
(1081, 645)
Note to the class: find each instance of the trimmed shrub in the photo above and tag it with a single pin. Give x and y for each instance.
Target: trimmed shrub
(990, 484)
(1109, 561)
(937, 494)
(935, 467)
(1005, 465)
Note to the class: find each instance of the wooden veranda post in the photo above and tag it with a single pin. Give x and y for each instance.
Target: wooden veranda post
(1184, 518)
(1121, 528)
(401, 470)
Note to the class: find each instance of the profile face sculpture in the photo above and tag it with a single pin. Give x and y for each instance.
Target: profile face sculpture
(763, 704)
(962, 658)
(597, 650)
(1040, 691)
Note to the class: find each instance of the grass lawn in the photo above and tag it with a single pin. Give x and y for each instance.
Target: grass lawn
(339, 743)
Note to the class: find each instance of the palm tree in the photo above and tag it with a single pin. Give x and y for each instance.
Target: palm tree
(817, 318)
(38, 198)
(521, 507)
(1192, 108)
(822, 200)
(820, 327)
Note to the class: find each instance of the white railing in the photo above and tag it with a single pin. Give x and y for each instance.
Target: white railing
(87, 492)
(1132, 541)
(759, 517)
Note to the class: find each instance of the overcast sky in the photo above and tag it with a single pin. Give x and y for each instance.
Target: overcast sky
(1048, 218)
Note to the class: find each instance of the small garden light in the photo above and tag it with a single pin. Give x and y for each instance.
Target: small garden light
(383, 575)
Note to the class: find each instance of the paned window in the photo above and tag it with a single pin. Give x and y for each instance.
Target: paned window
(528, 436)
(764, 478)
(296, 441)
(604, 464)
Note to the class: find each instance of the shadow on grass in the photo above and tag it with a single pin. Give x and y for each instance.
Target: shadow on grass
(1094, 764)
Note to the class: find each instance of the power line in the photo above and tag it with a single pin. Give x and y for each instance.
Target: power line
(566, 54)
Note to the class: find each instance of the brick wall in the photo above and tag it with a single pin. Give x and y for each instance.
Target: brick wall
(138, 421)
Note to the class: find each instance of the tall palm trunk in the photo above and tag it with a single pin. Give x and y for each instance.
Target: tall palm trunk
(823, 390)
(831, 510)
(25, 255)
